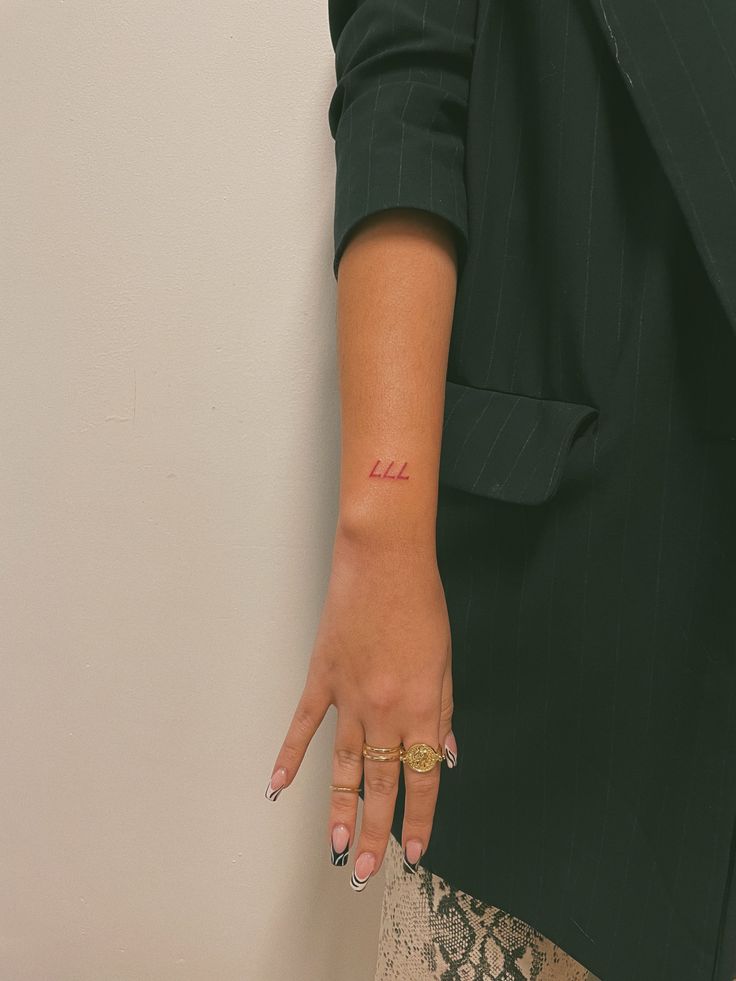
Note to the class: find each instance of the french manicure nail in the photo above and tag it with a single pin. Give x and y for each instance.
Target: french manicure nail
(339, 845)
(276, 783)
(364, 865)
(412, 854)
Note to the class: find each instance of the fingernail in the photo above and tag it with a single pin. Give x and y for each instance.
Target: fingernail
(339, 845)
(412, 854)
(364, 866)
(451, 750)
(276, 783)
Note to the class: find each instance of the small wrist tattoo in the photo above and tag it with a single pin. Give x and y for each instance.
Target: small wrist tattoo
(381, 471)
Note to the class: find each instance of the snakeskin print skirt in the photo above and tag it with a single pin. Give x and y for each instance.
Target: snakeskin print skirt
(431, 931)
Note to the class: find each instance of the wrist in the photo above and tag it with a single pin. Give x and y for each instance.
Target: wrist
(358, 529)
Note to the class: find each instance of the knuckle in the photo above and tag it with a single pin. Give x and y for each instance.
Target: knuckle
(381, 785)
(373, 840)
(348, 757)
(421, 823)
(420, 807)
(423, 787)
(303, 721)
(290, 756)
(342, 811)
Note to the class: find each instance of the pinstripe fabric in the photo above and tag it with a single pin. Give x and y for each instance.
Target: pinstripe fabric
(398, 112)
(585, 153)
(504, 467)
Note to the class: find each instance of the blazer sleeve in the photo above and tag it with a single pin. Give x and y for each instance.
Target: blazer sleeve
(398, 111)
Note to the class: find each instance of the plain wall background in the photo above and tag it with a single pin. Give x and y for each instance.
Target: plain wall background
(168, 482)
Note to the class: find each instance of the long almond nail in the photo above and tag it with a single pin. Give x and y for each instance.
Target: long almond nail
(364, 865)
(412, 854)
(276, 784)
(339, 845)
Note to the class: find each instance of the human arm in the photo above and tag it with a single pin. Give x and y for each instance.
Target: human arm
(382, 653)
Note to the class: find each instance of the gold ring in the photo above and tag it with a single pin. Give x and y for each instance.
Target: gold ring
(353, 790)
(421, 757)
(382, 753)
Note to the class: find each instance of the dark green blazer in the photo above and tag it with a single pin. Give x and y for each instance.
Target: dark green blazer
(584, 152)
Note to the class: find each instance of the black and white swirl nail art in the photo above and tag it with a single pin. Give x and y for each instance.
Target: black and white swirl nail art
(271, 793)
(357, 883)
(339, 858)
(450, 757)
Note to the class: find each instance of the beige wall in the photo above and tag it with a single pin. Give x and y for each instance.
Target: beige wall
(168, 468)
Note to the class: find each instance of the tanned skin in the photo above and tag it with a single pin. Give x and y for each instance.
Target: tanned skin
(382, 653)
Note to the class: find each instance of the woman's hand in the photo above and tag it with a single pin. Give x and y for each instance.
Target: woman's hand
(382, 656)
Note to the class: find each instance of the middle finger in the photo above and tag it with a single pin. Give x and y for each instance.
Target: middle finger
(380, 788)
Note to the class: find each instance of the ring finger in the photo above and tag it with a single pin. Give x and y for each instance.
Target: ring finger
(420, 801)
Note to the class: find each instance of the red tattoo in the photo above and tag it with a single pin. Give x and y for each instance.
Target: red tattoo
(392, 476)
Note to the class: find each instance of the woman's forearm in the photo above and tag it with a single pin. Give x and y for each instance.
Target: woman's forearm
(395, 300)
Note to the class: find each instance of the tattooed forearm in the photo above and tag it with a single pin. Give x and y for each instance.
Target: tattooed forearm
(381, 471)
(395, 303)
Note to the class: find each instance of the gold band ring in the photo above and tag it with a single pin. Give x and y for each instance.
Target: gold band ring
(382, 753)
(353, 790)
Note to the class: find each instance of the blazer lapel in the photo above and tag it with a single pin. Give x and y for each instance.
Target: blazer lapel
(678, 61)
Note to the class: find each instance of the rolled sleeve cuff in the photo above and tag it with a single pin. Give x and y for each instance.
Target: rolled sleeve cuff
(387, 158)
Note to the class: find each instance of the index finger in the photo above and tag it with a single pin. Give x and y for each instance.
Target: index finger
(307, 717)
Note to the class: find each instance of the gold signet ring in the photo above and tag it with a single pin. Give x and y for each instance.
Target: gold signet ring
(421, 757)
